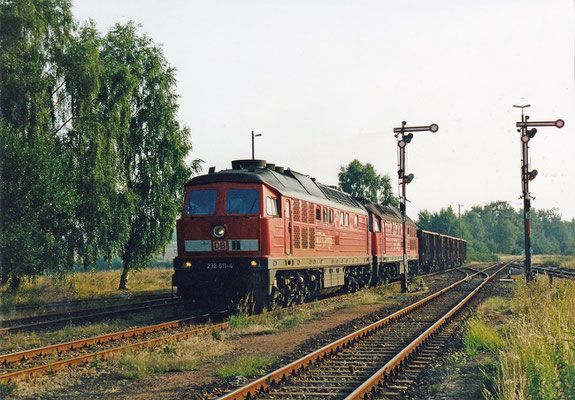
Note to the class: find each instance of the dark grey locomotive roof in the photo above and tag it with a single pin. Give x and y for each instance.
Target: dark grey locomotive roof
(387, 213)
(286, 181)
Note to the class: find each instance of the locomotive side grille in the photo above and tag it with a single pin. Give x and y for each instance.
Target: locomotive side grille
(296, 210)
(296, 237)
(304, 233)
(312, 238)
(311, 214)
(304, 211)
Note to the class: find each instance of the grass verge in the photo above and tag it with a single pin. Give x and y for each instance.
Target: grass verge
(85, 285)
(245, 365)
(534, 350)
(567, 262)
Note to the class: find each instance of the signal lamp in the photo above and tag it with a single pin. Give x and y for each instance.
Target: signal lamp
(408, 178)
(408, 137)
(531, 132)
(254, 263)
(219, 231)
(531, 175)
(188, 264)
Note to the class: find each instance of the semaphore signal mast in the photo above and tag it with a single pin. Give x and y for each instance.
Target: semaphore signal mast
(404, 136)
(526, 135)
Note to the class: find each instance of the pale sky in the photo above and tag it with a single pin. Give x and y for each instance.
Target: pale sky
(325, 82)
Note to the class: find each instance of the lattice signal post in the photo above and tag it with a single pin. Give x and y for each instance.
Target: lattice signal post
(404, 136)
(528, 129)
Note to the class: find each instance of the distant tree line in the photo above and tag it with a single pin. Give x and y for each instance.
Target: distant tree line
(92, 156)
(498, 228)
(493, 229)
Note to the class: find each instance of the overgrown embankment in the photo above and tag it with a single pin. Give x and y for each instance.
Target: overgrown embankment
(531, 341)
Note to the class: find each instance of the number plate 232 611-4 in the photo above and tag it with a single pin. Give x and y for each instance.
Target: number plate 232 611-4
(220, 265)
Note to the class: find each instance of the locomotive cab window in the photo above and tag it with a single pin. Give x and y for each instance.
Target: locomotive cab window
(376, 225)
(242, 201)
(201, 202)
(272, 206)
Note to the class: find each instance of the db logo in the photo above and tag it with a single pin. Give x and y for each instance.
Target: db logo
(223, 245)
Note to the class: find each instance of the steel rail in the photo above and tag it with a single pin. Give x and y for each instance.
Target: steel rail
(24, 355)
(369, 386)
(554, 272)
(81, 360)
(70, 346)
(87, 315)
(251, 389)
(80, 312)
(79, 303)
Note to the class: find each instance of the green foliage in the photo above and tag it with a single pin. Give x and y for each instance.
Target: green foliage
(361, 180)
(481, 337)
(497, 228)
(537, 358)
(245, 365)
(239, 321)
(8, 388)
(152, 144)
(92, 154)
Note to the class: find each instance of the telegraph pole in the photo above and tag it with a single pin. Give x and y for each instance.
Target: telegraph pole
(403, 138)
(526, 175)
(253, 144)
(459, 207)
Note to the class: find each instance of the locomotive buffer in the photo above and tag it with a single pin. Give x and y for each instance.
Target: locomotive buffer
(404, 136)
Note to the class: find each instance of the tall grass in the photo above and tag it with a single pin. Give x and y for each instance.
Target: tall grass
(567, 262)
(186, 355)
(80, 285)
(537, 357)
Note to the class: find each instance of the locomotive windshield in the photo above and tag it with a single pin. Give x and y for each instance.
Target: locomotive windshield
(201, 202)
(242, 201)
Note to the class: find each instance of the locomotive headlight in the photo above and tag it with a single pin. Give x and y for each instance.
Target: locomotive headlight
(188, 265)
(219, 231)
(254, 263)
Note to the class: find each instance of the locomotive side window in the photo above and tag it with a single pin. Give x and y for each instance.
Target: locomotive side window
(341, 219)
(272, 206)
(331, 216)
(324, 215)
(201, 202)
(355, 221)
(318, 213)
(242, 201)
(346, 219)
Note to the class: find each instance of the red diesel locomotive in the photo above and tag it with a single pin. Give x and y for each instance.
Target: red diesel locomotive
(262, 236)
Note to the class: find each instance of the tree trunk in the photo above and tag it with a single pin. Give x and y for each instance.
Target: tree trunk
(14, 283)
(124, 279)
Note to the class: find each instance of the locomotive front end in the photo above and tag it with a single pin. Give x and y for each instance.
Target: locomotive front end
(222, 245)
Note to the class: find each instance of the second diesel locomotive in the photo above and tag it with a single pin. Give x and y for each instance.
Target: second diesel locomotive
(259, 235)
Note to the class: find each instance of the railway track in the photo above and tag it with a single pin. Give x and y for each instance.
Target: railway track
(78, 304)
(92, 314)
(550, 270)
(28, 363)
(359, 365)
(554, 272)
